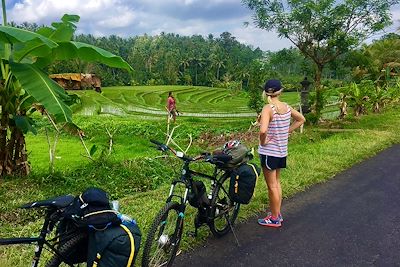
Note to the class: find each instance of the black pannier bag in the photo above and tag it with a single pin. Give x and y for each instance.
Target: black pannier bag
(198, 195)
(91, 209)
(115, 240)
(117, 246)
(243, 182)
(67, 229)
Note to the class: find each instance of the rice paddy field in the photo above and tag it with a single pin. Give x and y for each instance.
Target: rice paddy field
(192, 101)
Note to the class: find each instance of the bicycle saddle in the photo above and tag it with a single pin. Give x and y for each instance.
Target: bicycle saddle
(55, 202)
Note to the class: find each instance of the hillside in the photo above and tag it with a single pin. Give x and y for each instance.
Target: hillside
(192, 101)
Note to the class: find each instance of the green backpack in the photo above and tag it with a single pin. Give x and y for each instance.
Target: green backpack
(116, 246)
(239, 152)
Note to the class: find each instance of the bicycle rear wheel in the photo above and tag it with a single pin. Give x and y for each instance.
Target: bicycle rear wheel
(224, 211)
(164, 237)
(67, 251)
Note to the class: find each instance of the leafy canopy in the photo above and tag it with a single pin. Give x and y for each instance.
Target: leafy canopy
(322, 29)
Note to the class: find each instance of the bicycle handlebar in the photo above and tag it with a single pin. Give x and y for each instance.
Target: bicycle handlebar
(161, 146)
(208, 157)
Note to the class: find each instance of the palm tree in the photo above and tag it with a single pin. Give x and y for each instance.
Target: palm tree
(382, 54)
(185, 62)
(217, 61)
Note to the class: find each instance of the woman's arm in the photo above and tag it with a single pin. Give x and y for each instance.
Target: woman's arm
(266, 115)
(298, 120)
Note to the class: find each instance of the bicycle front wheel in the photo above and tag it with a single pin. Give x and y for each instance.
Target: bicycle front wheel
(224, 211)
(164, 237)
(67, 251)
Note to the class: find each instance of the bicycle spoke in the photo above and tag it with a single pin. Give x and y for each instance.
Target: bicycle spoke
(224, 209)
(164, 236)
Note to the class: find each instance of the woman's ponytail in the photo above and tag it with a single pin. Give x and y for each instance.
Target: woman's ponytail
(268, 99)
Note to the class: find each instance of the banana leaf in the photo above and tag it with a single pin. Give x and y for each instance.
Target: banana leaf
(12, 35)
(47, 92)
(25, 124)
(62, 31)
(87, 52)
(25, 42)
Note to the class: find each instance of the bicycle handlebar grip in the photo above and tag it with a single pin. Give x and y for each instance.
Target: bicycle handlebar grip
(156, 142)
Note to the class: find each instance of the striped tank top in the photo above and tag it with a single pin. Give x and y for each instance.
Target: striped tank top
(277, 135)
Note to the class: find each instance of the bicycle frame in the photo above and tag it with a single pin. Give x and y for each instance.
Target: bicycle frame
(40, 240)
(187, 179)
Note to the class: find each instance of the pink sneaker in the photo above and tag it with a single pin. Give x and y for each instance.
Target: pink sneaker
(269, 214)
(270, 221)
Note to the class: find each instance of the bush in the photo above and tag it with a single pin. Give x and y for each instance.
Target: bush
(311, 118)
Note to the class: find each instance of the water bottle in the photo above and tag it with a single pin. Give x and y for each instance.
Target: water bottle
(115, 205)
(125, 219)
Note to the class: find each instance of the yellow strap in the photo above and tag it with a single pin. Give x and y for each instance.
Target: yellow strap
(236, 183)
(255, 171)
(95, 262)
(132, 244)
(99, 212)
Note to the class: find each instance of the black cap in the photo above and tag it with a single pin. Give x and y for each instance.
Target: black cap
(272, 86)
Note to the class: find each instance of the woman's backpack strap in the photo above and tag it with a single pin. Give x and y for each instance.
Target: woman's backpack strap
(103, 247)
(132, 254)
(256, 172)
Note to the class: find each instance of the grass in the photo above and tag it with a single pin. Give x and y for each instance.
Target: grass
(132, 175)
(338, 151)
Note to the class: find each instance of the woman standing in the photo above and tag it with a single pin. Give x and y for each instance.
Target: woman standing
(274, 133)
(171, 106)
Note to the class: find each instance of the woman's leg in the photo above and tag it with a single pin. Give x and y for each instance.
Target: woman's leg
(278, 180)
(174, 115)
(273, 191)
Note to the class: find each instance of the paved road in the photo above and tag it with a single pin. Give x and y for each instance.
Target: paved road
(352, 220)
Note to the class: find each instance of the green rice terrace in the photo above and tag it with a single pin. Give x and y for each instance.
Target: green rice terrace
(192, 101)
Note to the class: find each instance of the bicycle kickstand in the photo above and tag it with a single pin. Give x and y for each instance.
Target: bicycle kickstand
(233, 231)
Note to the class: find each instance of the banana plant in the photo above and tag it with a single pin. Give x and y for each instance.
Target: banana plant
(25, 87)
(358, 97)
(379, 97)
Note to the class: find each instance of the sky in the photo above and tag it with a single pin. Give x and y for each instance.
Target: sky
(138, 17)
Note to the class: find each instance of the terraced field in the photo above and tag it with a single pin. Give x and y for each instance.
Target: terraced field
(191, 101)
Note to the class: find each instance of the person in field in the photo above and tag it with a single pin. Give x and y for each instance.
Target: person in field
(275, 127)
(171, 106)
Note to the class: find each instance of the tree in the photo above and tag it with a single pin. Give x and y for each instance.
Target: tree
(25, 87)
(324, 29)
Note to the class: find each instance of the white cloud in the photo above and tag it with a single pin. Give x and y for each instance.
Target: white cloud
(129, 18)
(124, 19)
(260, 38)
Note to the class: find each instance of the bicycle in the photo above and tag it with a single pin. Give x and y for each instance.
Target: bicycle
(64, 245)
(217, 210)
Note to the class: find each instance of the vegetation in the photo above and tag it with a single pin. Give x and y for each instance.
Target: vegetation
(172, 59)
(124, 173)
(322, 30)
(25, 88)
(217, 82)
